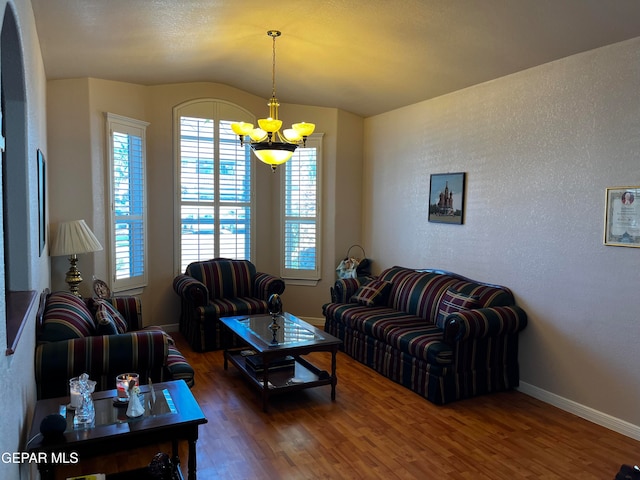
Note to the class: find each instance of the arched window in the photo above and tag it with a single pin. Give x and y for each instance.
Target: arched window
(215, 200)
(16, 243)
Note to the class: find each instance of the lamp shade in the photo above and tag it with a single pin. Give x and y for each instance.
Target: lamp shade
(74, 238)
(275, 153)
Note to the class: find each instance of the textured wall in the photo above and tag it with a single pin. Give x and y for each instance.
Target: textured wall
(17, 395)
(539, 148)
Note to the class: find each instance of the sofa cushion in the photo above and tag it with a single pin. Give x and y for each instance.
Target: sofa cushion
(105, 308)
(224, 278)
(225, 307)
(420, 341)
(488, 295)
(372, 294)
(105, 324)
(66, 316)
(454, 301)
(419, 294)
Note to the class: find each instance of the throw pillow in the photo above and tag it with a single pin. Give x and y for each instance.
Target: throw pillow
(105, 323)
(118, 319)
(66, 316)
(453, 301)
(372, 294)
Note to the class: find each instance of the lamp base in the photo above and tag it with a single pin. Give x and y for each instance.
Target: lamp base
(73, 277)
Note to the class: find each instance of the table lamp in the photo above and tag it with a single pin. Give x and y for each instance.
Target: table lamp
(73, 239)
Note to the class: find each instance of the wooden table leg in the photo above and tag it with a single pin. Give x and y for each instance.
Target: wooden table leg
(265, 388)
(191, 461)
(334, 379)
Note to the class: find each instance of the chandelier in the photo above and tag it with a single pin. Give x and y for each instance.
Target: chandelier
(272, 146)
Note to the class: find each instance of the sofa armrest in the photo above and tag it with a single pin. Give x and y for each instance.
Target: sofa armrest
(130, 308)
(484, 322)
(266, 285)
(191, 290)
(102, 357)
(344, 288)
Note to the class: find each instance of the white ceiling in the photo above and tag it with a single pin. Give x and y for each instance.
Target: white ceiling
(363, 56)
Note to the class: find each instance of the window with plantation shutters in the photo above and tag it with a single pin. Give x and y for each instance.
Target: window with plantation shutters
(214, 183)
(128, 213)
(301, 212)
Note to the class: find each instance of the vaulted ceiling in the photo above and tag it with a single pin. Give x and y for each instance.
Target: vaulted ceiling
(363, 56)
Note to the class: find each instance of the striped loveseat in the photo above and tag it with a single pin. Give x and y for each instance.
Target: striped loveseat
(104, 338)
(441, 335)
(217, 288)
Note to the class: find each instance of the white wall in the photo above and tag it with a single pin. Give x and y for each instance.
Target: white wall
(17, 395)
(539, 148)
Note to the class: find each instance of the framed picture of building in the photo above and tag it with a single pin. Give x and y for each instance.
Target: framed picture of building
(622, 217)
(446, 198)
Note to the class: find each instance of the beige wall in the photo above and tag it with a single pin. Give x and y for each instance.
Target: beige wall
(539, 148)
(77, 137)
(17, 395)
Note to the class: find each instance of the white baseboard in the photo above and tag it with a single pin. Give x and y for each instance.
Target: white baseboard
(588, 413)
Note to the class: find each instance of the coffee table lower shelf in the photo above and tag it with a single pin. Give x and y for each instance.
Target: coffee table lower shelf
(301, 376)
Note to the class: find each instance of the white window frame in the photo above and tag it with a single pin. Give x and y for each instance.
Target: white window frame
(302, 276)
(136, 128)
(216, 110)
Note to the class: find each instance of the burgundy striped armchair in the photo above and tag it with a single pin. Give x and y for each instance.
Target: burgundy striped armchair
(104, 338)
(218, 288)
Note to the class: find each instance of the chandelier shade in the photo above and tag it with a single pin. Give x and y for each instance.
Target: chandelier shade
(271, 145)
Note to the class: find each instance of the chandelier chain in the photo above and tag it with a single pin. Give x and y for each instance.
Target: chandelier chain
(273, 68)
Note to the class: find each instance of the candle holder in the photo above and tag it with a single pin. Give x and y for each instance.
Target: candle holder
(75, 395)
(125, 382)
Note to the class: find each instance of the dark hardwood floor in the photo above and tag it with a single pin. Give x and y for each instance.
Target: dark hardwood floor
(377, 429)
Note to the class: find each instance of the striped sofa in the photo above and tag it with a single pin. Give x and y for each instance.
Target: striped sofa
(437, 333)
(104, 338)
(218, 288)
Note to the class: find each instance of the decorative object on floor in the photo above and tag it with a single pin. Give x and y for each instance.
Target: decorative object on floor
(162, 468)
(446, 198)
(74, 238)
(269, 145)
(622, 217)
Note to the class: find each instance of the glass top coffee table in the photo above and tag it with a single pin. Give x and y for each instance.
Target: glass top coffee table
(272, 359)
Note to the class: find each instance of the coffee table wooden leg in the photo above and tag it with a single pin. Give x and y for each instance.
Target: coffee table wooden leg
(334, 379)
(265, 389)
(191, 462)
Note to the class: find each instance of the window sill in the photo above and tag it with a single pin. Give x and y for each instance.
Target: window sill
(19, 305)
(301, 282)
